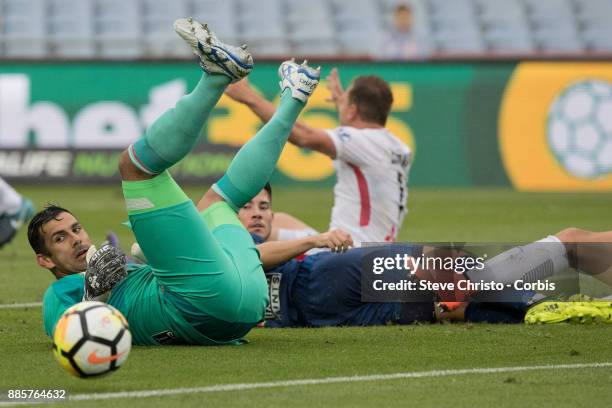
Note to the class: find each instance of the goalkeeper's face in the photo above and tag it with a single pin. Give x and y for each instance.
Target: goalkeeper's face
(256, 215)
(66, 244)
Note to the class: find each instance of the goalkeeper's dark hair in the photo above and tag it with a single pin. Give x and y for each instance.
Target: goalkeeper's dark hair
(35, 236)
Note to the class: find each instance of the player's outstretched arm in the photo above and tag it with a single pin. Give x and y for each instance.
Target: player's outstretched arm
(242, 92)
(287, 222)
(335, 87)
(301, 135)
(274, 253)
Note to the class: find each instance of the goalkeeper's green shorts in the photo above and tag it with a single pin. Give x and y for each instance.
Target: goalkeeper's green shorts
(205, 264)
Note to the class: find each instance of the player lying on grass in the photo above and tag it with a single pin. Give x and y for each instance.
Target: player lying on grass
(204, 283)
(371, 163)
(325, 289)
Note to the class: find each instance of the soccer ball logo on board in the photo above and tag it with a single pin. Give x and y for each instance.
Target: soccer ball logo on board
(579, 128)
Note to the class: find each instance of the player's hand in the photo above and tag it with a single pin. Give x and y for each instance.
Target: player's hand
(105, 268)
(337, 240)
(334, 86)
(240, 91)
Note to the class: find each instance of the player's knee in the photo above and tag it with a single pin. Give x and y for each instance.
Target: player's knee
(209, 198)
(124, 163)
(572, 234)
(128, 170)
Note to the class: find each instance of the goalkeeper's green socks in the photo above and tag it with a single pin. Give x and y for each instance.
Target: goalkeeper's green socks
(254, 163)
(176, 132)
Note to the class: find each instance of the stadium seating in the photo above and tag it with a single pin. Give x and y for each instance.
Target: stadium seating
(24, 23)
(159, 38)
(505, 26)
(71, 28)
(594, 17)
(311, 28)
(128, 29)
(220, 16)
(357, 31)
(119, 28)
(261, 24)
(454, 27)
(598, 39)
(554, 25)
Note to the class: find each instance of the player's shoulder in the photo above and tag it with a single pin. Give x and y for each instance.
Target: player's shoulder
(343, 133)
(350, 130)
(68, 281)
(378, 136)
(392, 139)
(67, 284)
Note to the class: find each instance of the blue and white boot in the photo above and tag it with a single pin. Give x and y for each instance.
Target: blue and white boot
(215, 56)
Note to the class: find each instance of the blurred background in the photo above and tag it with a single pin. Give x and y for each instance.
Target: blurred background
(134, 29)
(491, 93)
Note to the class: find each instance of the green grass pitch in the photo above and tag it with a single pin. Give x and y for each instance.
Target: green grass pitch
(479, 215)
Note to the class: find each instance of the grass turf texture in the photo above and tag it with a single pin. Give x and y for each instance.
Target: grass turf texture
(273, 355)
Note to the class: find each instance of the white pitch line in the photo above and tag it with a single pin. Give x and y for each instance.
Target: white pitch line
(317, 381)
(20, 305)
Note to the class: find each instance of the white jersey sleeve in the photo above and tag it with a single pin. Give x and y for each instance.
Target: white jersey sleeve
(354, 147)
(287, 234)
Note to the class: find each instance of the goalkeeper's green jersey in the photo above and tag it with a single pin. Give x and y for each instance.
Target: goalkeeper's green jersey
(152, 319)
(203, 283)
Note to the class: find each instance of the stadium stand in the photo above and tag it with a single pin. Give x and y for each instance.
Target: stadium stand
(71, 28)
(263, 24)
(311, 27)
(594, 18)
(455, 27)
(358, 32)
(24, 28)
(220, 15)
(157, 17)
(118, 28)
(505, 26)
(554, 25)
(132, 29)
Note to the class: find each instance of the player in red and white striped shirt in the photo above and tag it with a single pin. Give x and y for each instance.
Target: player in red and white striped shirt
(371, 163)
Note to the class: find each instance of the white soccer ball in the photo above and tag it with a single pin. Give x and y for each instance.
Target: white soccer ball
(580, 128)
(91, 339)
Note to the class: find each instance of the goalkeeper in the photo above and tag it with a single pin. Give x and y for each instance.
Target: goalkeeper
(204, 283)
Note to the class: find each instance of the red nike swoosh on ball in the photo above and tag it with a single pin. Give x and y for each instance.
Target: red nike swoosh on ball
(94, 359)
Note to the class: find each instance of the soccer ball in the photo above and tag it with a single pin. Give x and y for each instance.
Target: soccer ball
(91, 339)
(580, 128)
